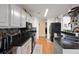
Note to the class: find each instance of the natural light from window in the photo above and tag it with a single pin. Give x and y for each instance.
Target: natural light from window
(66, 23)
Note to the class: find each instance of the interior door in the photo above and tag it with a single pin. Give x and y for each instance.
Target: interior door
(42, 27)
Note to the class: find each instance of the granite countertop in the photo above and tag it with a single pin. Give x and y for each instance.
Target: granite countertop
(68, 43)
(20, 39)
(24, 38)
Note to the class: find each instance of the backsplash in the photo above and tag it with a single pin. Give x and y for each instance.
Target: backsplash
(6, 39)
(10, 31)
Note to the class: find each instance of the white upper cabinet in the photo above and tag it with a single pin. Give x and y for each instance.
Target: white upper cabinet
(12, 16)
(15, 16)
(4, 15)
(23, 19)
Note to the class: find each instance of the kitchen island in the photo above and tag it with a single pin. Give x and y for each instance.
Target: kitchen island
(67, 45)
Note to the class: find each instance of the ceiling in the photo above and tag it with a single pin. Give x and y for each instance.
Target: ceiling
(55, 10)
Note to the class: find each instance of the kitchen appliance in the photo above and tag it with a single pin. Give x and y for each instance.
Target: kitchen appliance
(6, 40)
(9, 38)
(55, 29)
(28, 26)
(6, 44)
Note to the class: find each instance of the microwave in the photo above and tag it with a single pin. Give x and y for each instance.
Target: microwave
(28, 26)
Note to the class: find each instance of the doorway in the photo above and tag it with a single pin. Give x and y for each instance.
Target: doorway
(42, 27)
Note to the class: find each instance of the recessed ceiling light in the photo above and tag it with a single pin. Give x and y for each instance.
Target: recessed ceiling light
(46, 11)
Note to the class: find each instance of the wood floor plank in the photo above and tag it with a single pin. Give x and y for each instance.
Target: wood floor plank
(47, 47)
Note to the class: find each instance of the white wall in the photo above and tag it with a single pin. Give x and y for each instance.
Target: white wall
(35, 23)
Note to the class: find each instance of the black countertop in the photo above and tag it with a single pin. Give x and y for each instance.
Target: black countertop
(67, 45)
(68, 42)
(17, 40)
(20, 39)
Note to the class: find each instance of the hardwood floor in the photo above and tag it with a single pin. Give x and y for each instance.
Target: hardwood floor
(47, 47)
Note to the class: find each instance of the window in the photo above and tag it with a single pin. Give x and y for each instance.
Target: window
(66, 23)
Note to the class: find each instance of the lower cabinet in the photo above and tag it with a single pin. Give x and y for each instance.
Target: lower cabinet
(26, 48)
(70, 51)
(58, 48)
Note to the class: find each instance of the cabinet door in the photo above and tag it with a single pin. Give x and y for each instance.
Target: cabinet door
(58, 48)
(26, 48)
(4, 15)
(23, 19)
(15, 15)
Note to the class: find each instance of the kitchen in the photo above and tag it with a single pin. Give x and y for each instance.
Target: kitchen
(21, 25)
